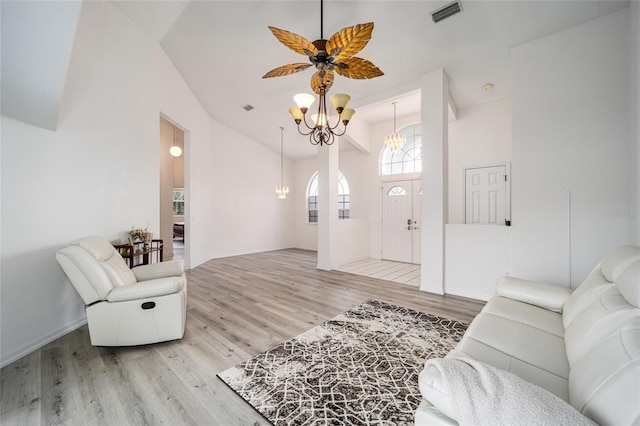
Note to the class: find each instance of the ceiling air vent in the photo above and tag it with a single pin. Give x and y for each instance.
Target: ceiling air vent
(446, 11)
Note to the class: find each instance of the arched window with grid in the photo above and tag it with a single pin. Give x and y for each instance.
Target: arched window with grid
(407, 159)
(344, 203)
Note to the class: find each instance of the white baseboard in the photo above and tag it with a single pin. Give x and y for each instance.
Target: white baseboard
(469, 294)
(26, 349)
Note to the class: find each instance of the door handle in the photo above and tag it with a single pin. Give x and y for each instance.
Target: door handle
(415, 227)
(408, 221)
(409, 228)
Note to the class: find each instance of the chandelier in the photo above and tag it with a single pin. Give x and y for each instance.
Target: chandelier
(395, 140)
(282, 190)
(319, 130)
(327, 56)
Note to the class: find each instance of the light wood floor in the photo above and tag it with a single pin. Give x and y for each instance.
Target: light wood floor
(237, 307)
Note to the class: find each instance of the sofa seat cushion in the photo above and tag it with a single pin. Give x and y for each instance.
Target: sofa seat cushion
(501, 337)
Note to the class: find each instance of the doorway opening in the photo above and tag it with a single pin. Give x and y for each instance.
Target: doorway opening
(173, 191)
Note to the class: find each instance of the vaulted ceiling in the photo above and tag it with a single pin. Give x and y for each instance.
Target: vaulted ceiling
(222, 49)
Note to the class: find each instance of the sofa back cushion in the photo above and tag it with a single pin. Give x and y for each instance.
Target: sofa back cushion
(602, 339)
(582, 297)
(597, 282)
(618, 260)
(601, 318)
(628, 283)
(604, 383)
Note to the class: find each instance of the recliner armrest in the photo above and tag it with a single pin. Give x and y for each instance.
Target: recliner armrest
(544, 295)
(173, 268)
(144, 289)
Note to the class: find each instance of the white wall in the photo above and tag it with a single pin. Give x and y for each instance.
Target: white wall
(98, 174)
(480, 136)
(570, 134)
(354, 233)
(475, 256)
(306, 234)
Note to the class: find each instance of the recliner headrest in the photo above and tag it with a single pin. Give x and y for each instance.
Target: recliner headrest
(618, 260)
(97, 246)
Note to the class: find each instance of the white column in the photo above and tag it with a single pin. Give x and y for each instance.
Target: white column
(328, 206)
(434, 179)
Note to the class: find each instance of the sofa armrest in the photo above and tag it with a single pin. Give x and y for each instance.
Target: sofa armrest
(548, 296)
(173, 268)
(145, 289)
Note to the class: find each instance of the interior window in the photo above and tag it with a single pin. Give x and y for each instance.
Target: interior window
(344, 203)
(178, 201)
(407, 159)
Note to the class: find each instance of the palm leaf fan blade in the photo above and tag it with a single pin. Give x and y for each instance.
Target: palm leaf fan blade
(287, 70)
(357, 68)
(294, 42)
(349, 41)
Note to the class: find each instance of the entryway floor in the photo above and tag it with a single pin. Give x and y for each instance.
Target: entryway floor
(405, 273)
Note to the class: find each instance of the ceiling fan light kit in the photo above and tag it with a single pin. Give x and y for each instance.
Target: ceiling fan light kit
(335, 54)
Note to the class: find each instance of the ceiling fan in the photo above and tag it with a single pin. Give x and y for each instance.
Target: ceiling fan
(335, 54)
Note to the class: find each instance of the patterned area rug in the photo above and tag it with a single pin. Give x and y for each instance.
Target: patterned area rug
(360, 367)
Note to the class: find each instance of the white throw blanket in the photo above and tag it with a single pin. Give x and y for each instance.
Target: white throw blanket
(480, 394)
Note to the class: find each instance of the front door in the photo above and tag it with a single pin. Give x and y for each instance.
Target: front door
(400, 221)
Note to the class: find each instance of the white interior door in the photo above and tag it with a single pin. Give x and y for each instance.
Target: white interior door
(400, 221)
(485, 195)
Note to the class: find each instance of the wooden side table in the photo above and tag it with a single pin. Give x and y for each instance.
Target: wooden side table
(137, 254)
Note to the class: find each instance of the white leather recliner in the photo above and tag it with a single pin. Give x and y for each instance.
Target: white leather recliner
(125, 307)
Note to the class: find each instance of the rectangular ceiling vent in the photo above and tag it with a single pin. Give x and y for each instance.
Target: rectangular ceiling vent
(446, 11)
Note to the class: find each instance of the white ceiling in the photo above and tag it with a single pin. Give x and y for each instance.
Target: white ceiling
(222, 49)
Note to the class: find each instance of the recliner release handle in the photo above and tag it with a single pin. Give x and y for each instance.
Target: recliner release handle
(148, 305)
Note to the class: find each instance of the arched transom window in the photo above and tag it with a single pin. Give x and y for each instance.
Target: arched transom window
(343, 198)
(396, 190)
(407, 159)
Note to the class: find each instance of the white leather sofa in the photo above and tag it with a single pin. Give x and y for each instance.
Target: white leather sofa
(125, 307)
(582, 346)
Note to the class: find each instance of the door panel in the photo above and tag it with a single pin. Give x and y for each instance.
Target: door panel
(485, 195)
(396, 212)
(401, 221)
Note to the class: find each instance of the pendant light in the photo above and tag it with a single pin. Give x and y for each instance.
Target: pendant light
(175, 150)
(282, 190)
(395, 140)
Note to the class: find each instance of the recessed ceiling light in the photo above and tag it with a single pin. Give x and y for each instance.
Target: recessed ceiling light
(487, 87)
(247, 107)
